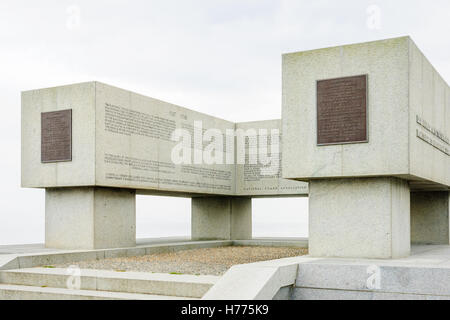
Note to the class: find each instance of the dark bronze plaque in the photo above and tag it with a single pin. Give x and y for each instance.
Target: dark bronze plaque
(56, 136)
(342, 110)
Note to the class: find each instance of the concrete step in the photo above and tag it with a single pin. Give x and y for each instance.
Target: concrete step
(111, 281)
(16, 292)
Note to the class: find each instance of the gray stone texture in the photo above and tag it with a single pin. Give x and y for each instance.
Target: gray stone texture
(430, 217)
(402, 85)
(90, 218)
(221, 218)
(365, 218)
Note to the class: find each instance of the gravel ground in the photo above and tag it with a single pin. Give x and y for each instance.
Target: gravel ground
(212, 261)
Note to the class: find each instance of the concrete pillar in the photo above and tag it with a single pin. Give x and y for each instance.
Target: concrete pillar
(430, 222)
(221, 218)
(90, 218)
(359, 218)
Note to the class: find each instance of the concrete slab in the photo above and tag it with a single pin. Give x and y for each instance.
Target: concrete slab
(113, 281)
(32, 255)
(24, 248)
(28, 256)
(13, 292)
(274, 242)
(424, 275)
(256, 281)
(8, 261)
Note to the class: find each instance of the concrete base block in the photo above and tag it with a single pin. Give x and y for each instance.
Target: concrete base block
(221, 218)
(430, 221)
(90, 218)
(359, 218)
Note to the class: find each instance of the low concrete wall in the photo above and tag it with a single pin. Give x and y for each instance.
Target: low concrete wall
(40, 259)
(424, 276)
(19, 257)
(354, 281)
(256, 281)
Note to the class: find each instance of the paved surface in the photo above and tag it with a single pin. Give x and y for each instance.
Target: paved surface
(431, 256)
(209, 261)
(422, 255)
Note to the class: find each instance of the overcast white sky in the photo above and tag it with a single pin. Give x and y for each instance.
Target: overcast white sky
(221, 57)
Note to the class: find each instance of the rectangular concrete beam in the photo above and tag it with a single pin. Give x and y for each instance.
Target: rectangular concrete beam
(221, 218)
(121, 139)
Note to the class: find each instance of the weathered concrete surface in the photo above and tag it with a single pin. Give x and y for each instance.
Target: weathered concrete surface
(13, 292)
(403, 87)
(425, 275)
(113, 281)
(90, 218)
(430, 221)
(256, 281)
(221, 218)
(359, 218)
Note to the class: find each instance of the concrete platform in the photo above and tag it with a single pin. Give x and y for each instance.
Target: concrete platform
(186, 286)
(274, 242)
(40, 248)
(34, 255)
(14, 292)
(421, 255)
(261, 241)
(20, 279)
(424, 275)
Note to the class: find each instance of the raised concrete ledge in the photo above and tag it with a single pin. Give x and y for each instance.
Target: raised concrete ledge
(425, 275)
(8, 261)
(430, 280)
(13, 292)
(274, 242)
(121, 275)
(28, 256)
(256, 281)
(35, 259)
(189, 286)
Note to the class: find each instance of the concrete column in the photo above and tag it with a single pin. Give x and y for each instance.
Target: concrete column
(221, 218)
(430, 222)
(359, 218)
(90, 218)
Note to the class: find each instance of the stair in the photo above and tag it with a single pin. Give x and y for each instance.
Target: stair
(51, 284)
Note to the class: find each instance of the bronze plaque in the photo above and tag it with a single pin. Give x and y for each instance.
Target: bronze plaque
(56, 136)
(342, 110)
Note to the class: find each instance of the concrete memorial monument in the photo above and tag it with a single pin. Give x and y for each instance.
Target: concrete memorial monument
(93, 147)
(366, 125)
